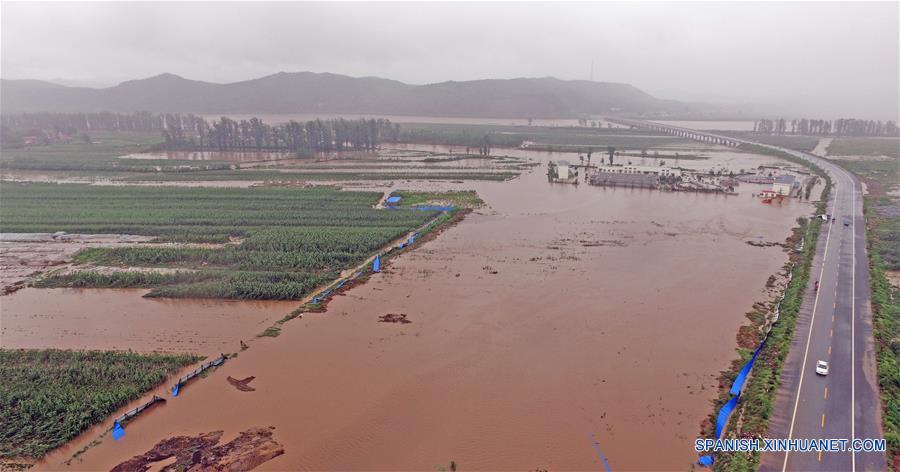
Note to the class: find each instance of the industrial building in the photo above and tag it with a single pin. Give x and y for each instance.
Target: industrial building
(785, 184)
(661, 171)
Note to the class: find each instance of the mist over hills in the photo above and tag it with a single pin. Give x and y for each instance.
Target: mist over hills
(308, 92)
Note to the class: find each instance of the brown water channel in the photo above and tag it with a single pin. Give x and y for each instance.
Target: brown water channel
(559, 313)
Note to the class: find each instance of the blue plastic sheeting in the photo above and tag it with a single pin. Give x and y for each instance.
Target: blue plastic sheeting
(424, 208)
(118, 431)
(392, 200)
(433, 208)
(602, 457)
(742, 375)
(176, 389)
(376, 266)
(341, 283)
(736, 388)
(722, 419)
(723, 415)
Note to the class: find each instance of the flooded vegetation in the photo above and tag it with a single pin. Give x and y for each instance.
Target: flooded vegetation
(41, 390)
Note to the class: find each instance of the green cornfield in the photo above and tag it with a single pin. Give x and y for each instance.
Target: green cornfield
(48, 397)
(281, 242)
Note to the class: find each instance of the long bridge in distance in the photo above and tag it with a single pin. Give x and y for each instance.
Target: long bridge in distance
(677, 131)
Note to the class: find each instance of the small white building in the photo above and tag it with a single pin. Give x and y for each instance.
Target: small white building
(662, 171)
(562, 170)
(784, 184)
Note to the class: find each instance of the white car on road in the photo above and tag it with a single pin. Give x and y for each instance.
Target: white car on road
(822, 368)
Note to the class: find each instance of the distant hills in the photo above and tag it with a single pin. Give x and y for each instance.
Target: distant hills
(308, 92)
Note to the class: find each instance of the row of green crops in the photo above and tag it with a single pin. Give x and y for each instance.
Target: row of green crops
(246, 285)
(182, 211)
(48, 397)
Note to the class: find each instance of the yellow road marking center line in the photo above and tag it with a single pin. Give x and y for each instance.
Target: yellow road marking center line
(826, 393)
(823, 420)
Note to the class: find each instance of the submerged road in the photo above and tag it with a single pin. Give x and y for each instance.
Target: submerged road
(834, 325)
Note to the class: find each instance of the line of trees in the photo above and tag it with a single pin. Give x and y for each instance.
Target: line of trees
(226, 134)
(839, 127)
(189, 131)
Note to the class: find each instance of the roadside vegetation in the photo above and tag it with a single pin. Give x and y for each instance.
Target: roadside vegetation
(883, 254)
(50, 396)
(287, 240)
(882, 179)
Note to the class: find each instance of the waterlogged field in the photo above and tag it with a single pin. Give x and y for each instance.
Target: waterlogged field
(542, 137)
(100, 154)
(799, 143)
(889, 147)
(50, 396)
(261, 243)
(291, 175)
(134, 157)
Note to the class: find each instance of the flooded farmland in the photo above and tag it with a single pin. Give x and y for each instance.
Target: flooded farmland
(558, 316)
(228, 156)
(122, 319)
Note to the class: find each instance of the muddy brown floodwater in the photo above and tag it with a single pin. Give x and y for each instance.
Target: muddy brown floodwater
(122, 319)
(560, 313)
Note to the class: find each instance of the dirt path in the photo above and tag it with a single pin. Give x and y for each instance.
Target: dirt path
(821, 148)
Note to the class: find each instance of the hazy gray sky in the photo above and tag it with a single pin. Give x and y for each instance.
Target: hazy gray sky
(839, 57)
